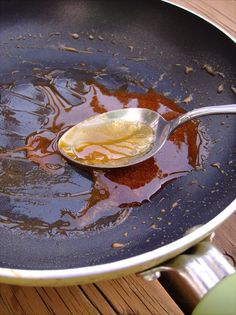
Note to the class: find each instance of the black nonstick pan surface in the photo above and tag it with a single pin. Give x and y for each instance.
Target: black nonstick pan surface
(108, 46)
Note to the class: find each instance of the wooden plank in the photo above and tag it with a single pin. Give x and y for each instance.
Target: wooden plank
(76, 301)
(10, 304)
(222, 12)
(130, 295)
(67, 300)
(225, 239)
(4, 307)
(44, 301)
(98, 299)
(133, 295)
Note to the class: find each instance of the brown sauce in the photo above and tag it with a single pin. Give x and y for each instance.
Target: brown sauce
(54, 196)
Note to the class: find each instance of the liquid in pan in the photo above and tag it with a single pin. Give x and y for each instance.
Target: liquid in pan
(62, 198)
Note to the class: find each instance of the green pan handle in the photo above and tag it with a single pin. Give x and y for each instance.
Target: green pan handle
(202, 280)
(221, 300)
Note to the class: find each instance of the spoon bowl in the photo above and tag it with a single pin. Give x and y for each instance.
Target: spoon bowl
(147, 129)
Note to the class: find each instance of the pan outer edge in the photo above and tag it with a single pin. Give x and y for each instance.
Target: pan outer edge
(83, 275)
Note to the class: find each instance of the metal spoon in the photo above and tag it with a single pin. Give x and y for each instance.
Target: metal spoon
(162, 129)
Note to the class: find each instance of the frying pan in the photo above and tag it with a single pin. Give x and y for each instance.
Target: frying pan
(151, 43)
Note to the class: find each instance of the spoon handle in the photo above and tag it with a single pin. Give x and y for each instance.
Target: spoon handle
(204, 111)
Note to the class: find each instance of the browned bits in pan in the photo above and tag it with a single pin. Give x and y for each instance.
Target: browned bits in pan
(187, 99)
(220, 88)
(217, 165)
(137, 59)
(19, 37)
(117, 245)
(53, 34)
(221, 74)
(175, 204)
(74, 35)
(15, 71)
(233, 89)
(187, 69)
(153, 226)
(209, 69)
(70, 49)
(85, 51)
(100, 37)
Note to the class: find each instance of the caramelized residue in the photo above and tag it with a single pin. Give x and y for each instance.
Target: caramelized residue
(55, 197)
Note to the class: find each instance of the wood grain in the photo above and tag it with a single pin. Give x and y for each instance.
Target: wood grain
(222, 12)
(129, 295)
(225, 239)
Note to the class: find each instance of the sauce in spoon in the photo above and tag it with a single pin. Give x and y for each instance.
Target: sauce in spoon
(106, 143)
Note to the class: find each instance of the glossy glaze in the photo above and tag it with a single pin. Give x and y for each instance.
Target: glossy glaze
(52, 196)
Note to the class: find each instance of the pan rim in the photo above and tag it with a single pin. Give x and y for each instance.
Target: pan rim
(82, 275)
(88, 274)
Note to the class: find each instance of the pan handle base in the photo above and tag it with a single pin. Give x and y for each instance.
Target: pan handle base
(191, 275)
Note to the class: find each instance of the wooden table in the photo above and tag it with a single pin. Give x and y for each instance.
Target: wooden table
(129, 295)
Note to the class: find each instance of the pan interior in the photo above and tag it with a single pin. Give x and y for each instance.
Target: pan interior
(141, 49)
